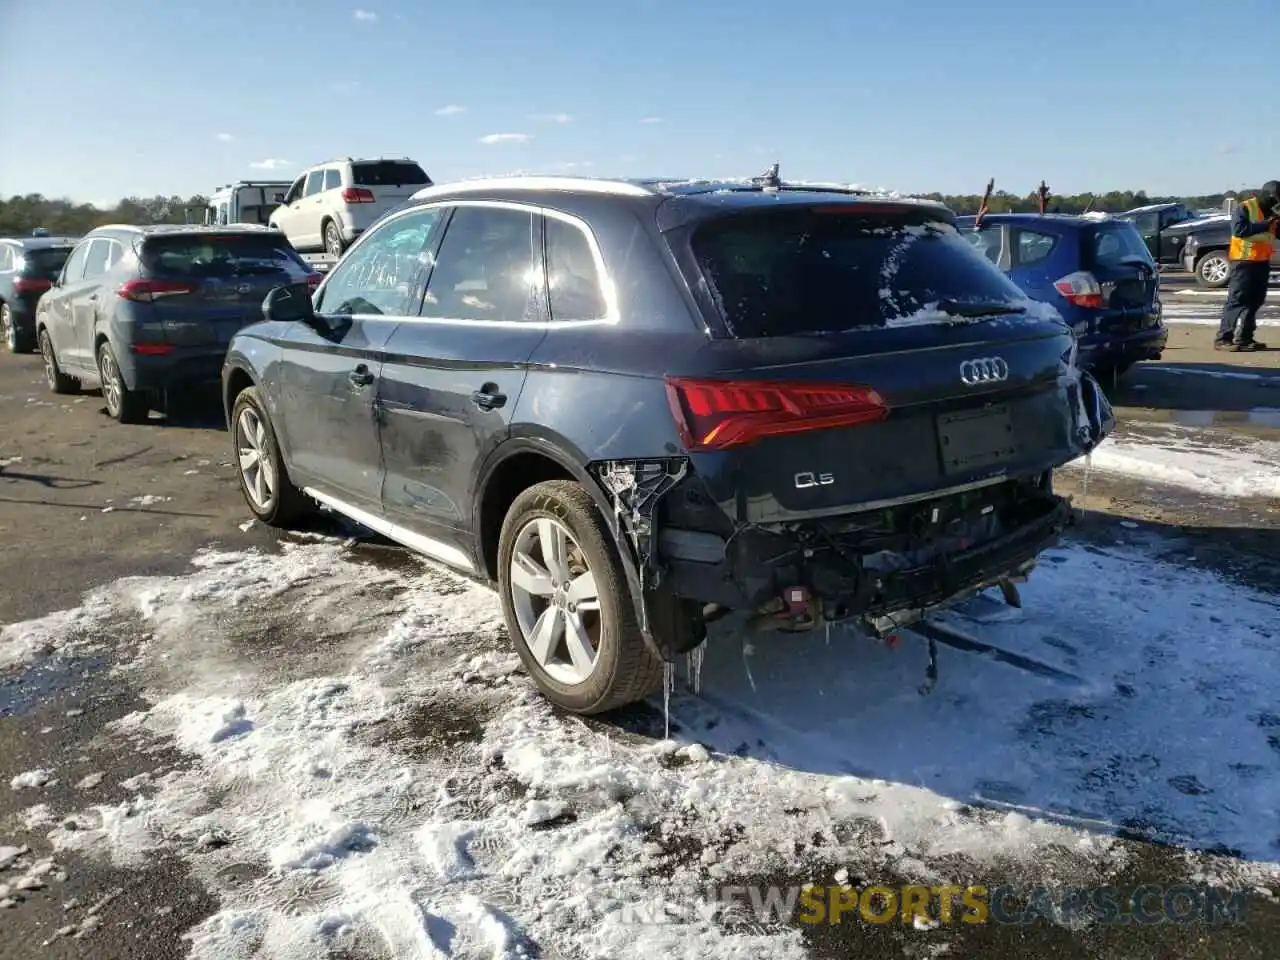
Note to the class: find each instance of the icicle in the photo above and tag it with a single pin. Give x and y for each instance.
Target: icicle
(693, 664)
(747, 651)
(668, 681)
(1084, 491)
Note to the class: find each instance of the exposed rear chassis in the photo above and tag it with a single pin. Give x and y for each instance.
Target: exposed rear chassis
(884, 601)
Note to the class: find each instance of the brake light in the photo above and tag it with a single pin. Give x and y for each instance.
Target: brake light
(716, 414)
(148, 291)
(313, 280)
(357, 195)
(152, 349)
(31, 285)
(1081, 289)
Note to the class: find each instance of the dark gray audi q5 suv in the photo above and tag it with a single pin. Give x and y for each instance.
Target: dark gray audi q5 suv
(637, 405)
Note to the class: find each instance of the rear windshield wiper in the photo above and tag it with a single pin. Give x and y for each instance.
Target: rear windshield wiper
(969, 308)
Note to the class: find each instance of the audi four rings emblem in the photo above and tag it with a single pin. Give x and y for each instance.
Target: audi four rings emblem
(984, 370)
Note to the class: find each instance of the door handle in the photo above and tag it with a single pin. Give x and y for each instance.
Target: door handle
(488, 397)
(93, 297)
(360, 376)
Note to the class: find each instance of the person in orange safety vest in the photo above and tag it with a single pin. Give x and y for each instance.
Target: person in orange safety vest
(1253, 243)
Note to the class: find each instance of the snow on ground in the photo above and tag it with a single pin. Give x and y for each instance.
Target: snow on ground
(1192, 459)
(366, 751)
(1200, 308)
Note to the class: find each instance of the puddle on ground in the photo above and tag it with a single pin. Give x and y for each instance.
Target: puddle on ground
(29, 688)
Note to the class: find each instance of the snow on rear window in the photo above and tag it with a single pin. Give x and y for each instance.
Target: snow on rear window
(804, 272)
(389, 173)
(1115, 243)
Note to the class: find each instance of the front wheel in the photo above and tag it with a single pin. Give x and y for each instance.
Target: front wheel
(264, 479)
(567, 605)
(58, 381)
(1213, 270)
(123, 404)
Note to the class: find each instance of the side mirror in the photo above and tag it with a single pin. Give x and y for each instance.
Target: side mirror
(278, 197)
(290, 304)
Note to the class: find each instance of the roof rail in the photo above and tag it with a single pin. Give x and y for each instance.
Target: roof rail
(627, 188)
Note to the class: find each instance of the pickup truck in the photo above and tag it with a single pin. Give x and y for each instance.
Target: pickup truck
(1180, 237)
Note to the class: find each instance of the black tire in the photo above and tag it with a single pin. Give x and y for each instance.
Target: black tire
(626, 670)
(58, 381)
(1213, 270)
(123, 404)
(286, 503)
(334, 245)
(18, 341)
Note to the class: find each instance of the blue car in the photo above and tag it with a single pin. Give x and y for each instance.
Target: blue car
(1099, 275)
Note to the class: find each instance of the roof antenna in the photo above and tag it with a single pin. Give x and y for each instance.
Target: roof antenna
(769, 180)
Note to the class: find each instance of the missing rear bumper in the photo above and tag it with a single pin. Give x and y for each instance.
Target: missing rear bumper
(885, 571)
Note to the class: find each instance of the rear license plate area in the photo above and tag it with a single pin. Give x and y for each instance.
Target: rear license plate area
(973, 439)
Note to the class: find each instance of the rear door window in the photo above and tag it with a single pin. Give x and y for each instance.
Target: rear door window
(484, 270)
(1032, 246)
(315, 183)
(198, 257)
(842, 267)
(389, 173)
(332, 179)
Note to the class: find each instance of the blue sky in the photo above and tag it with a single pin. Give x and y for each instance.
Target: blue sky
(147, 96)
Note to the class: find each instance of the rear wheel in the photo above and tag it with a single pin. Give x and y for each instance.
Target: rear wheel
(18, 341)
(264, 479)
(123, 404)
(333, 242)
(567, 605)
(58, 381)
(1213, 270)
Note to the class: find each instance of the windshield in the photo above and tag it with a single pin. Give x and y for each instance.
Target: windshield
(46, 262)
(389, 173)
(222, 256)
(826, 269)
(1117, 243)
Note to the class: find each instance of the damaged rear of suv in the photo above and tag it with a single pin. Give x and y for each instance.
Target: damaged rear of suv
(640, 406)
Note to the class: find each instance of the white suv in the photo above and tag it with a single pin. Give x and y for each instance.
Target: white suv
(333, 203)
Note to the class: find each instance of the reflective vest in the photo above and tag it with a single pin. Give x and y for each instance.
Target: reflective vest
(1259, 247)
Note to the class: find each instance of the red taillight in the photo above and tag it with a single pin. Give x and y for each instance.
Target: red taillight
(152, 349)
(31, 285)
(1081, 289)
(313, 280)
(357, 195)
(147, 291)
(715, 414)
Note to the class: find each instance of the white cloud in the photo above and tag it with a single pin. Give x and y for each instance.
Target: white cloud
(493, 138)
(271, 163)
(225, 137)
(367, 16)
(450, 110)
(551, 118)
(650, 119)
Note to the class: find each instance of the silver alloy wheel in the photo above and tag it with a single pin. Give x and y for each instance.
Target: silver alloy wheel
(556, 601)
(111, 386)
(1215, 269)
(256, 466)
(50, 366)
(332, 241)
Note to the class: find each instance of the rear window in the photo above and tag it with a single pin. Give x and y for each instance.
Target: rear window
(47, 262)
(810, 271)
(1118, 243)
(389, 173)
(221, 257)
